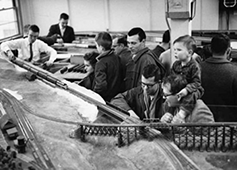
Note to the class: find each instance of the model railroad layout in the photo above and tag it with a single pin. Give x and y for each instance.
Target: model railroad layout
(215, 136)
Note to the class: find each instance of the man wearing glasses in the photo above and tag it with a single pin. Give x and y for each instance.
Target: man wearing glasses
(144, 101)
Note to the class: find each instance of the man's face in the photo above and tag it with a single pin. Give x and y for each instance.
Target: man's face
(63, 22)
(134, 44)
(149, 85)
(171, 99)
(117, 47)
(181, 52)
(32, 36)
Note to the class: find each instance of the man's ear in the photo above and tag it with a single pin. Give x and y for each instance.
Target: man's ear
(143, 41)
(121, 45)
(190, 52)
(228, 53)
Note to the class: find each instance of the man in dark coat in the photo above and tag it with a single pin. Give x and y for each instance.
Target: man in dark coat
(142, 56)
(144, 101)
(219, 80)
(165, 44)
(107, 69)
(121, 49)
(65, 32)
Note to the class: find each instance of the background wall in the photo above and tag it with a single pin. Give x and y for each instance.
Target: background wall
(113, 15)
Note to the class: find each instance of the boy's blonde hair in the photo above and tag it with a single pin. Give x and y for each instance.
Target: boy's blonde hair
(188, 41)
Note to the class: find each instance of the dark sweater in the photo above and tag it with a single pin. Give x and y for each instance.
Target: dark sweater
(219, 80)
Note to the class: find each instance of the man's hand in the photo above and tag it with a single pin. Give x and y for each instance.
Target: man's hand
(166, 118)
(133, 114)
(178, 118)
(10, 55)
(182, 93)
(60, 40)
(48, 63)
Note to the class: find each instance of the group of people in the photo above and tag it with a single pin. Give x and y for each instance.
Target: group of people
(144, 82)
(148, 86)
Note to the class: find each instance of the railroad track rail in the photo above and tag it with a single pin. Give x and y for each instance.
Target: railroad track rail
(17, 111)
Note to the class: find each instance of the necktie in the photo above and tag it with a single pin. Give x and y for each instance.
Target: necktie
(31, 52)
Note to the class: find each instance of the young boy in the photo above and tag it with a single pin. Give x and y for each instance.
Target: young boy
(107, 69)
(186, 66)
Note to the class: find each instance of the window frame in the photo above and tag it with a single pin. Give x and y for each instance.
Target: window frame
(17, 9)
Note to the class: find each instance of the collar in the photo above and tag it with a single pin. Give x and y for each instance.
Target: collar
(27, 41)
(157, 95)
(188, 63)
(104, 54)
(124, 50)
(60, 27)
(140, 53)
(217, 60)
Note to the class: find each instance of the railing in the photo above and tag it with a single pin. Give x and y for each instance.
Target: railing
(200, 137)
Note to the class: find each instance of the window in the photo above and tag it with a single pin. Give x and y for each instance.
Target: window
(9, 19)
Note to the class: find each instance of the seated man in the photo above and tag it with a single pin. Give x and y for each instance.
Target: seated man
(66, 33)
(29, 48)
(144, 101)
(171, 86)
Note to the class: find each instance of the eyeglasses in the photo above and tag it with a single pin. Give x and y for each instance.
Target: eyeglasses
(148, 85)
(114, 46)
(167, 95)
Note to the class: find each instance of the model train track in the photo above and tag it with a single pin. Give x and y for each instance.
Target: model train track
(38, 151)
(118, 115)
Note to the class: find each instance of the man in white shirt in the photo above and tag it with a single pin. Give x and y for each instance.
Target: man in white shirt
(29, 48)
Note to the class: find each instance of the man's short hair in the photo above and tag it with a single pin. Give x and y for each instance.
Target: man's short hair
(91, 57)
(188, 41)
(138, 31)
(166, 37)
(152, 70)
(64, 16)
(104, 39)
(177, 82)
(34, 28)
(219, 44)
(123, 40)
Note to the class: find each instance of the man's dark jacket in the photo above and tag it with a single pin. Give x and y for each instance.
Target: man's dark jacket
(133, 99)
(68, 35)
(136, 66)
(219, 80)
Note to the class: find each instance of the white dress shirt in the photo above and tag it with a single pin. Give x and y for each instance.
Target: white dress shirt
(62, 30)
(23, 47)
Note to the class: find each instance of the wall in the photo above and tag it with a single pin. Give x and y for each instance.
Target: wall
(115, 15)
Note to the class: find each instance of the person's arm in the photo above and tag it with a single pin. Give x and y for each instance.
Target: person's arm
(72, 36)
(195, 84)
(48, 50)
(100, 86)
(125, 101)
(11, 45)
(51, 31)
